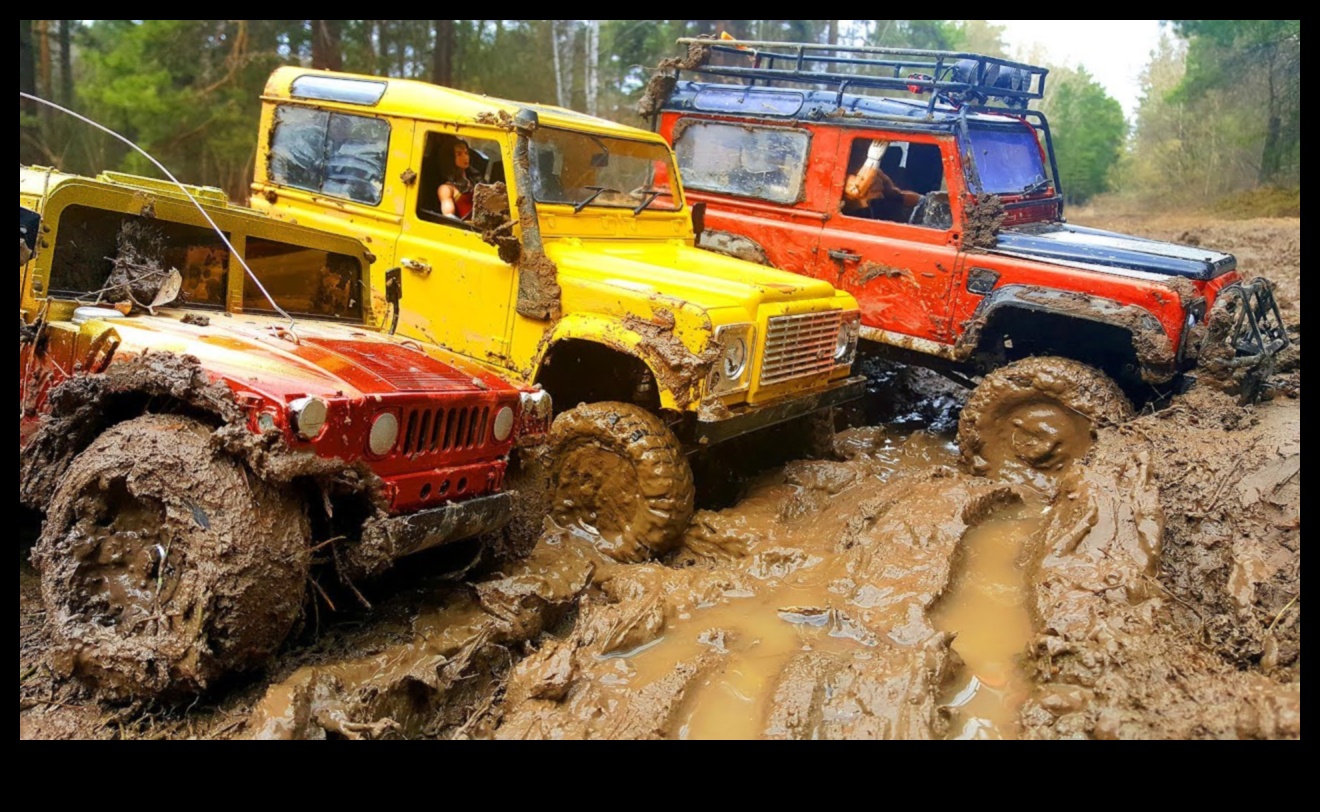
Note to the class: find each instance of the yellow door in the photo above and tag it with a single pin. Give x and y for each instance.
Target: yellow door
(456, 290)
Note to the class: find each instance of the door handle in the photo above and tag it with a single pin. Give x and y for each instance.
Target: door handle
(844, 255)
(416, 266)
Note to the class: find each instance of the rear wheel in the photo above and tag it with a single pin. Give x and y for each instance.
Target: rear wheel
(1038, 414)
(165, 564)
(617, 471)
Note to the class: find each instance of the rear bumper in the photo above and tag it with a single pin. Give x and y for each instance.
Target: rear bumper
(772, 414)
(387, 539)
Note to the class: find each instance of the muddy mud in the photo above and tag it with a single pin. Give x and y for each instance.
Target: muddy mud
(665, 78)
(680, 369)
(139, 276)
(985, 216)
(1151, 590)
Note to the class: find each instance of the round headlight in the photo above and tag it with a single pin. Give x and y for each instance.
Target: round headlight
(309, 416)
(843, 343)
(503, 424)
(384, 434)
(734, 361)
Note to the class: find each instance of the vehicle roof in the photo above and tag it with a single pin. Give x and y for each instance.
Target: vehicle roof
(425, 101)
(815, 106)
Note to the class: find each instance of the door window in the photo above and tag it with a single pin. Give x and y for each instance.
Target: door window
(334, 154)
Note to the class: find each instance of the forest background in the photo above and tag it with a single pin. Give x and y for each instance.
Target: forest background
(1218, 126)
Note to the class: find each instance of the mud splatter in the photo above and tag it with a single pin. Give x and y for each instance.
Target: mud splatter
(499, 118)
(665, 78)
(139, 275)
(491, 216)
(868, 271)
(985, 216)
(681, 370)
(196, 320)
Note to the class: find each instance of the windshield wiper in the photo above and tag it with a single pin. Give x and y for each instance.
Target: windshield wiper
(1038, 185)
(596, 191)
(649, 196)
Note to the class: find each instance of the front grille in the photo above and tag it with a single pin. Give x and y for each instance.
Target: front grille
(797, 346)
(431, 431)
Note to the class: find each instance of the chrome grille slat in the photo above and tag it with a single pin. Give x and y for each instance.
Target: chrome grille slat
(799, 346)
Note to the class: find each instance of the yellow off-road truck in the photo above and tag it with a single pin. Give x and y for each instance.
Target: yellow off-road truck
(559, 247)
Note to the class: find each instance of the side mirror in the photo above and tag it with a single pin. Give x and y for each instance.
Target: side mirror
(699, 219)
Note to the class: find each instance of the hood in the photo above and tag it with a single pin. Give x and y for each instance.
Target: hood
(674, 269)
(324, 360)
(1111, 252)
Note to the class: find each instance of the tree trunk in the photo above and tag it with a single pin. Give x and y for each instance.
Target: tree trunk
(442, 58)
(327, 44)
(1269, 154)
(66, 63)
(44, 68)
(593, 65)
(27, 66)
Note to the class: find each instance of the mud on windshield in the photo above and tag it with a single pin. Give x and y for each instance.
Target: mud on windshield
(581, 170)
(110, 257)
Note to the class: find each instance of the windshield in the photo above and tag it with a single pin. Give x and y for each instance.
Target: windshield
(1008, 161)
(581, 170)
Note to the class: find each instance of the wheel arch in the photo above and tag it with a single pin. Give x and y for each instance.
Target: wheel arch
(1127, 342)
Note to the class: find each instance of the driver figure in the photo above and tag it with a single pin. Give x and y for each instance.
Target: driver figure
(870, 185)
(456, 192)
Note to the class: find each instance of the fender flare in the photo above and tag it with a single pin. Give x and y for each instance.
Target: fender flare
(678, 372)
(1155, 352)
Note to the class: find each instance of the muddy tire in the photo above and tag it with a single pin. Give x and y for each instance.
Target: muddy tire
(1039, 414)
(165, 565)
(619, 472)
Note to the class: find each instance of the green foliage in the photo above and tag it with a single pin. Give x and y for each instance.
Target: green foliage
(1089, 131)
(1255, 67)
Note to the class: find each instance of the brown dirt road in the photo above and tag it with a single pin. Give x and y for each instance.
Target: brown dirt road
(1155, 591)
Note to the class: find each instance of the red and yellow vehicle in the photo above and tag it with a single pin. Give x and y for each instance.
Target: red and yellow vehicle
(959, 256)
(205, 399)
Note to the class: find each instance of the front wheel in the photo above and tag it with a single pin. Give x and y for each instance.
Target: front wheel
(165, 564)
(617, 471)
(1038, 414)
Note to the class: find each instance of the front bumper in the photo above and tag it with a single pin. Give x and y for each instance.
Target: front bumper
(772, 414)
(386, 539)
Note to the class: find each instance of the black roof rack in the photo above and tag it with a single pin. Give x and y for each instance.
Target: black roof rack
(974, 80)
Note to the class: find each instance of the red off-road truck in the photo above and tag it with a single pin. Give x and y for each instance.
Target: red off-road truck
(922, 183)
(206, 404)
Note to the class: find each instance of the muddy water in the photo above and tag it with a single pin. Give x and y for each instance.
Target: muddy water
(986, 610)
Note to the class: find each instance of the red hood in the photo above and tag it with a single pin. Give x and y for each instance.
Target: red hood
(315, 358)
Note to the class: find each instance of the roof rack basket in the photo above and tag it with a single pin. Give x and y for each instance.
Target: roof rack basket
(959, 79)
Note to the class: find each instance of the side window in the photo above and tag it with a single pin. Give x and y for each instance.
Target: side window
(303, 281)
(452, 167)
(767, 163)
(103, 255)
(898, 181)
(331, 153)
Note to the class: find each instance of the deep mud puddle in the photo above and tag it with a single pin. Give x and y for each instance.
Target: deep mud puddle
(986, 611)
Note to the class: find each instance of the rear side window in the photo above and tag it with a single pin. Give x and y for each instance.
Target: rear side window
(303, 281)
(335, 154)
(767, 163)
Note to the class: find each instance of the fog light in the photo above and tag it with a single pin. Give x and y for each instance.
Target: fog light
(503, 424)
(384, 434)
(309, 415)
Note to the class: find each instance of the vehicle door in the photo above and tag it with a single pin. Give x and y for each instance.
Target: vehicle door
(897, 253)
(457, 291)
